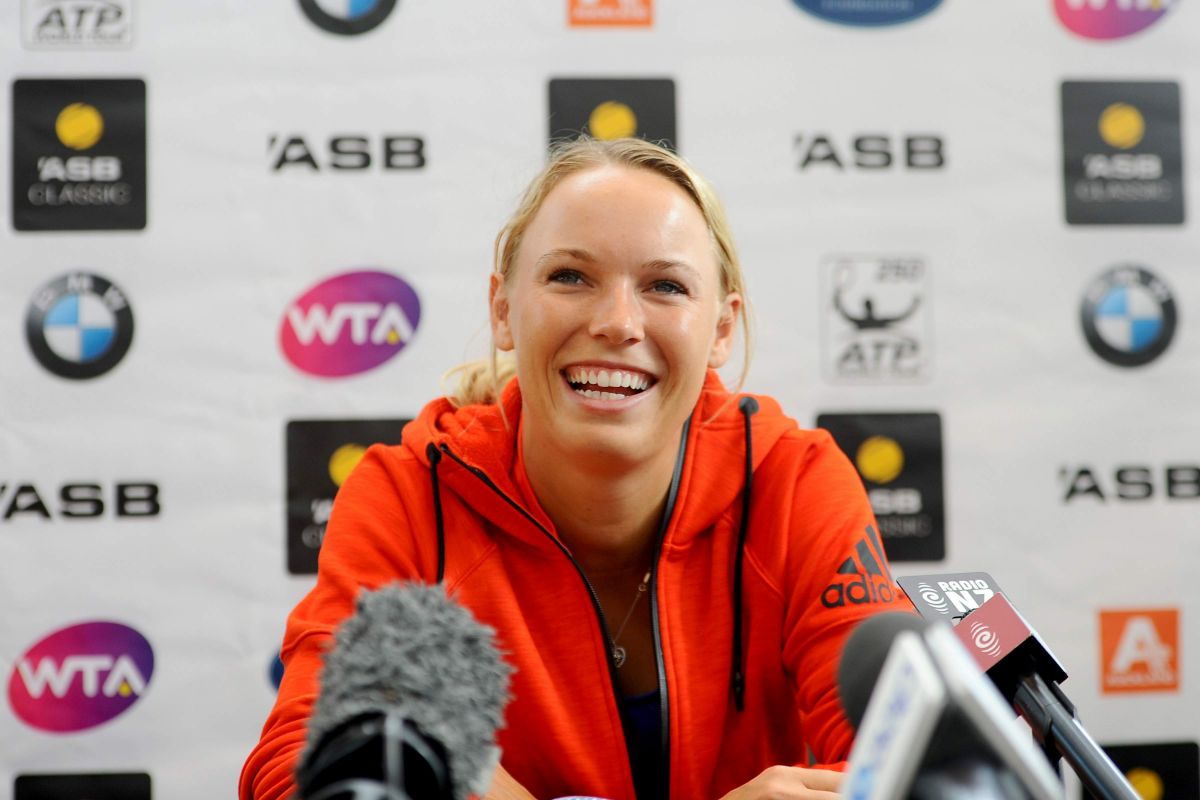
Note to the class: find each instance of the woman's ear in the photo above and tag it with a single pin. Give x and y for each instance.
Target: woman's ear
(731, 309)
(498, 307)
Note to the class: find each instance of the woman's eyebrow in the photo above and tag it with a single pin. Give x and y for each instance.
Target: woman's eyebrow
(663, 264)
(569, 252)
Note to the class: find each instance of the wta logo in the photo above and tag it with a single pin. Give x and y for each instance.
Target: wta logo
(80, 677)
(349, 324)
(1110, 19)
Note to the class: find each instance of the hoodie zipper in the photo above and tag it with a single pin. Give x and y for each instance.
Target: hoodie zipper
(665, 771)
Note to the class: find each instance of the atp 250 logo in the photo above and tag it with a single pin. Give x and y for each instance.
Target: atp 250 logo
(349, 323)
(80, 677)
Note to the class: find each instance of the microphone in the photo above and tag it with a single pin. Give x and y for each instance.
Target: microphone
(411, 695)
(929, 725)
(1025, 671)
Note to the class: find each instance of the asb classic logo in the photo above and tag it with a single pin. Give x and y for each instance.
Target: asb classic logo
(79, 325)
(1110, 19)
(613, 108)
(870, 13)
(347, 17)
(349, 323)
(80, 676)
(1139, 650)
(1128, 316)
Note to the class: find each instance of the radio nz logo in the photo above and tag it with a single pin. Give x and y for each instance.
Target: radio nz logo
(984, 639)
(955, 598)
(349, 324)
(81, 676)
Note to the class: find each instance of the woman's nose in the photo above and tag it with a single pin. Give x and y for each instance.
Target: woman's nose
(617, 316)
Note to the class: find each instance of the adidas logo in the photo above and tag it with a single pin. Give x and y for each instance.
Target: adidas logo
(862, 578)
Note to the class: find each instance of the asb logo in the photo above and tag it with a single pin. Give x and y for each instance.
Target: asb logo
(1139, 650)
(1130, 482)
(1159, 771)
(77, 23)
(79, 155)
(875, 151)
(1122, 153)
(79, 326)
(347, 17)
(80, 501)
(349, 324)
(870, 13)
(80, 677)
(899, 457)
(609, 108)
(876, 321)
(1128, 316)
(1110, 19)
(320, 455)
(103, 786)
(863, 578)
(629, 13)
(353, 153)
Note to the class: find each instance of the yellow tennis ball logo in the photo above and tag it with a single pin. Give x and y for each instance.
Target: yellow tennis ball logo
(79, 126)
(1122, 126)
(880, 459)
(612, 120)
(344, 460)
(1146, 783)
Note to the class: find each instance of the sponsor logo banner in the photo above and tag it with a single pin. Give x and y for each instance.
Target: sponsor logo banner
(1128, 316)
(79, 326)
(1134, 482)
(1122, 153)
(876, 322)
(869, 13)
(80, 677)
(628, 13)
(296, 152)
(1139, 650)
(899, 457)
(79, 24)
(823, 152)
(79, 154)
(1110, 19)
(347, 17)
(100, 786)
(320, 455)
(79, 501)
(613, 108)
(1158, 771)
(349, 323)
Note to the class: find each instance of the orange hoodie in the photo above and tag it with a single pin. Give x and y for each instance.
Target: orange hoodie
(811, 567)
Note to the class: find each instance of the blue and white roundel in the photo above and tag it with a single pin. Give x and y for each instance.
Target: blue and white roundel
(1129, 318)
(79, 327)
(347, 9)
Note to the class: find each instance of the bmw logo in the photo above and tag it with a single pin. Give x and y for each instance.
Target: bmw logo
(79, 326)
(347, 17)
(1128, 316)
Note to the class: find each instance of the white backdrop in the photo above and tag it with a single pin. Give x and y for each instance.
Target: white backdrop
(200, 404)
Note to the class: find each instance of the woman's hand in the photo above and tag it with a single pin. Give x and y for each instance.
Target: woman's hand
(790, 783)
(505, 787)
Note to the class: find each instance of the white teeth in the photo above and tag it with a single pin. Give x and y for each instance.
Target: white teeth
(605, 378)
(602, 378)
(592, 394)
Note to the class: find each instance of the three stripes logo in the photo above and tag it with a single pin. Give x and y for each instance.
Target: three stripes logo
(863, 577)
(984, 639)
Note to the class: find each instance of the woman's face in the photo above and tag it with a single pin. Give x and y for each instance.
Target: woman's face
(615, 311)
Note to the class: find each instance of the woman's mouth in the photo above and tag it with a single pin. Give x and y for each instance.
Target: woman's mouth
(597, 383)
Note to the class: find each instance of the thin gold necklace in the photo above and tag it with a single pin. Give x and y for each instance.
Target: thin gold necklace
(618, 652)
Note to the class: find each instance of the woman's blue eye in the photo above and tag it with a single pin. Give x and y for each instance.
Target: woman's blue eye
(669, 287)
(568, 276)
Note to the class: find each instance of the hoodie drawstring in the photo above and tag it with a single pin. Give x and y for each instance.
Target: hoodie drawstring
(435, 457)
(737, 680)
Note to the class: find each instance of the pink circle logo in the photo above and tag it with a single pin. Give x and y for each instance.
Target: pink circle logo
(1110, 19)
(80, 677)
(349, 323)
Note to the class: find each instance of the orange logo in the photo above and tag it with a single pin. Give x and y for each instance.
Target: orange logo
(1139, 650)
(631, 13)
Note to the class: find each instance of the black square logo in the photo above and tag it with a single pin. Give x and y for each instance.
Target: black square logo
(108, 786)
(1168, 770)
(79, 155)
(899, 457)
(612, 108)
(320, 455)
(1122, 153)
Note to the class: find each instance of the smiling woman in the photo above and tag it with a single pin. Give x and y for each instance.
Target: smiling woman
(650, 548)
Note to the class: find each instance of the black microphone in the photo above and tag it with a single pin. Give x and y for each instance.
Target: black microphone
(1024, 670)
(929, 725)
(410, 697)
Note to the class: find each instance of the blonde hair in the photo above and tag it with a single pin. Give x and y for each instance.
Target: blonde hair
(481, 381)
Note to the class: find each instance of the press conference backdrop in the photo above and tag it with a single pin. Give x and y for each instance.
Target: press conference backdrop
(243, 241)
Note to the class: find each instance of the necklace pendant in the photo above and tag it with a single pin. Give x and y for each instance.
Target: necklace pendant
(618, 654)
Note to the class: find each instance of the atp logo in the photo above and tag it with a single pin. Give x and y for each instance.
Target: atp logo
(81, 676)
(349, 323)
(1110, 19)
(1139, 650)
